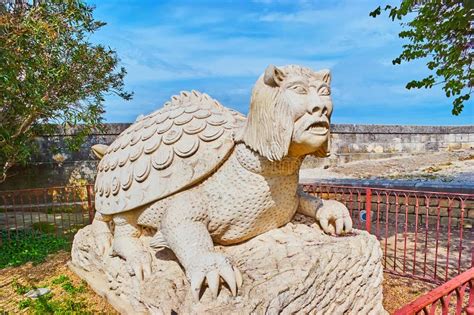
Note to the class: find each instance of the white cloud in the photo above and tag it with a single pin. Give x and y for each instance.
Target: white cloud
(223, 49)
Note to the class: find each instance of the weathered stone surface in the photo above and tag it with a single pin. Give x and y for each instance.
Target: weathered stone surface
(293, 269)
(195, 173)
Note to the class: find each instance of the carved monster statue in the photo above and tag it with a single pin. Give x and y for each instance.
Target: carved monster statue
(198, 173)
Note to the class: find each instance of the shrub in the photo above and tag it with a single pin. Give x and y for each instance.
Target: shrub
(27, 247)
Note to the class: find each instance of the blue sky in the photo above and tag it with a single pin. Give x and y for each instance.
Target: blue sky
(221, 47)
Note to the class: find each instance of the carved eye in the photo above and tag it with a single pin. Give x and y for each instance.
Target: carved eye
(299, 89)
(324, 91)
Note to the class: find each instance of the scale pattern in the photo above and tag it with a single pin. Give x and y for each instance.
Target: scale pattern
(190, 136)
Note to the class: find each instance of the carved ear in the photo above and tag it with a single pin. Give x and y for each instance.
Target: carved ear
(325, 76)
(273, 76)
(99, 150)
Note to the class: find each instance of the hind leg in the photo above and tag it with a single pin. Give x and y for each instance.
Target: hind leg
(127, 245)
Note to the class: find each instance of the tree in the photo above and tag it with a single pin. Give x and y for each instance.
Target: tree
(51, 75)
(441, 32)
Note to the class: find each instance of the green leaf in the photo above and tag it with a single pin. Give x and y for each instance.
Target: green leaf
(52, 73)
(441, 32)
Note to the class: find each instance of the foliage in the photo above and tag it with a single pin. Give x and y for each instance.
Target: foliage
(26, 247)
(20, 288)
(46, 304)
(62, 304)
(68, 286)
(52, 77)
(440, 31)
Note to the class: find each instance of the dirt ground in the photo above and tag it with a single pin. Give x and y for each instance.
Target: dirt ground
(444, 167)
(397, 291)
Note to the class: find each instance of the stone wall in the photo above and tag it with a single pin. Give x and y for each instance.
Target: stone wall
(363, 142)
(78, 167)
(349, 143)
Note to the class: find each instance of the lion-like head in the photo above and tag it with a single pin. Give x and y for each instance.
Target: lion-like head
(290, 113)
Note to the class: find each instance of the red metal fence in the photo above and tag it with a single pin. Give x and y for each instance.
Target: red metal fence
(424, 235)
(441, 297)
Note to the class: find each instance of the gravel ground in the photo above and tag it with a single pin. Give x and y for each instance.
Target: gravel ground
(432, 168)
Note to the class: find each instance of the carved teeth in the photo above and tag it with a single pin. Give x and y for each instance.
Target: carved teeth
(320, 127)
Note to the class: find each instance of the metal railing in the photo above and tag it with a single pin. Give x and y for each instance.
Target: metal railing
(55, 210)
(441, 297)
(422, 234)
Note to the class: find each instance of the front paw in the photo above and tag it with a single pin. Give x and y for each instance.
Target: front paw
(211, 266)
(139, 261)
(334, 218)
(102, 236)
(103, 241)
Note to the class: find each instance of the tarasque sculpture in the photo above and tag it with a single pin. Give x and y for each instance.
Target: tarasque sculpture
(194, 174)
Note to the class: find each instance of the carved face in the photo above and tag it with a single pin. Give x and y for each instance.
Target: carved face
(290, 113)
(308, 95)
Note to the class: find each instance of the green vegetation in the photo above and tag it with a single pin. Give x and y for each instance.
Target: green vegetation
(441, 33)
(44, 227)
(63, 299)
(67, 285)
(27, 247)
(52, 78)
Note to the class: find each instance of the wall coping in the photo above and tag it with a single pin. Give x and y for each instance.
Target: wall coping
(400, 129)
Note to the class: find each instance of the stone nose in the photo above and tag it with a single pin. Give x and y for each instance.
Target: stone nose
(318, 108)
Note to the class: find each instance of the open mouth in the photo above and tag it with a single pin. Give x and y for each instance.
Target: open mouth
(319, 128)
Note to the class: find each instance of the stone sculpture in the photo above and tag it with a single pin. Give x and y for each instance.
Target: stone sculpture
(195, 173)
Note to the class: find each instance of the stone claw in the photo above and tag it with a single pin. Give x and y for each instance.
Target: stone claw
(196, 283)
(238, 277)
(141, 266)
(103, 242)
(212, 267)
(227, 273)
(212, 278)
(334, 218)
(139, 261)
(102, 236)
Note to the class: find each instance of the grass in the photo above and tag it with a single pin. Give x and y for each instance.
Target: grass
(68, 293)
(66, 301)
(25, 246)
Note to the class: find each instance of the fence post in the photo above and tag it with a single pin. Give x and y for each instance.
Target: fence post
(89, 202)
(368, 209)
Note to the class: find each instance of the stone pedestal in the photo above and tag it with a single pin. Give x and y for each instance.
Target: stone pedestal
(294, 269)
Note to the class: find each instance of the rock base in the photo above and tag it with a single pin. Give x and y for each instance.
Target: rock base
(294, 269)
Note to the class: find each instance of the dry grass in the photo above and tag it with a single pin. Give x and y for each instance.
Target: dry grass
(397, 291)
